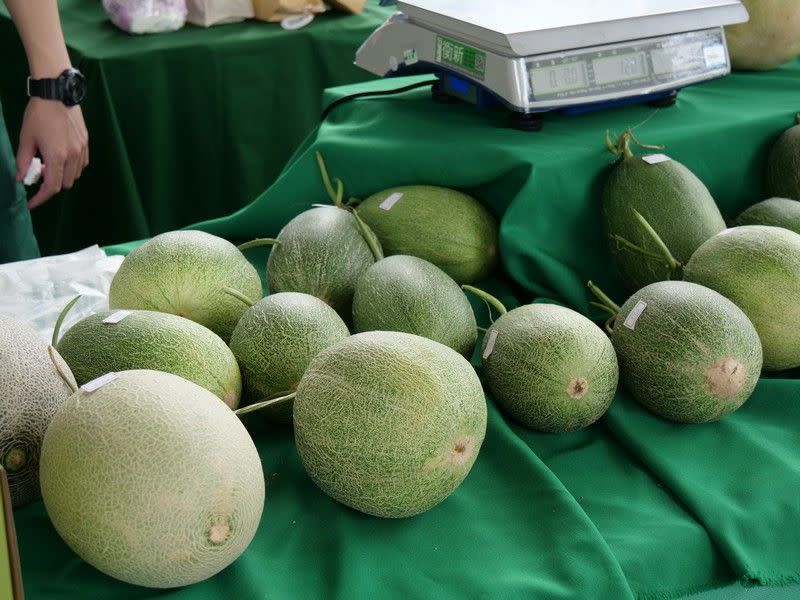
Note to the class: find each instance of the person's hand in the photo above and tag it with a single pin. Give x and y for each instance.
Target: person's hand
(59, 134)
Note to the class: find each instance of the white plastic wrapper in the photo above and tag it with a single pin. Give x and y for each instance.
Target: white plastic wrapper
(216, 12)
(146, 16)
(35, 291)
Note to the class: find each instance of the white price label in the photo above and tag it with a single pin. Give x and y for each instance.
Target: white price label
(116, 317)
(633, 316)
(715, 55)
(487, 352)
(96, 384)
(654, 159)
(391, 201)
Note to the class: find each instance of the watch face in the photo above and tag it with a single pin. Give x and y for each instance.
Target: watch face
(74, 87)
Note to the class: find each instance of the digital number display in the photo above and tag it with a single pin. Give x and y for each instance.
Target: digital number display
(559, 78)
(613, 69)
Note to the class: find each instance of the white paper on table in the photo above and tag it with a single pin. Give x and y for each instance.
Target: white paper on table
(35, 291)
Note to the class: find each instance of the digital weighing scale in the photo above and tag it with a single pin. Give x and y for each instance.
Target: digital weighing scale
(536, 56)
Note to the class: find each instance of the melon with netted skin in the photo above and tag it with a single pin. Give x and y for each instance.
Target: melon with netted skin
(776, 212)
(389, 423)
(152, 480)
(686, 353)
(185, 273)
(770, 38)
(783, 165)
(672, 200)
(758, 268)
(550, 367)
(409, 294)
(34, 383)
(322, 252)
(446, 227)
(152, 340)
(276, 340)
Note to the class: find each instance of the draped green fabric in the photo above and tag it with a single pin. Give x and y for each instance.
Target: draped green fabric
(183, 126)
(631, 507)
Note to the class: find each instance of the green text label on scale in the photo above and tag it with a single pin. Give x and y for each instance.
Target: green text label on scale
(453, 53)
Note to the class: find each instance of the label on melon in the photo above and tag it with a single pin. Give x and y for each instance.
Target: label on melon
(391, 201)
(490, 345)
(96, 384)
(116, 317)
(633, 316)
(655, 159)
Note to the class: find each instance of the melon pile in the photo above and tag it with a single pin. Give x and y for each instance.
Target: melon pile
(361, 350)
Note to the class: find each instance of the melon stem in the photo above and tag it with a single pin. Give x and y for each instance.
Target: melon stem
(60, 321)
(368, 235)
(623, 145)
(238, 295)
(797, 118)
(258, 243)
(265, 404)
(326, 180)
(486, 297)
(672, 264)
(605, 302)
(70, 385)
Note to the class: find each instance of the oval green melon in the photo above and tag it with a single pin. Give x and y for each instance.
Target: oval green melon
(673, 201)
(758, 268)
(770, 38)
(783, 165)
(409, 294)
(685, 352)
(323, 253)
(31, 392)
(152, 340)
(184, 273)
(152, 480)
(550, 367)
(389, 423)
(276, 340)
(445, 227)
(776, 212)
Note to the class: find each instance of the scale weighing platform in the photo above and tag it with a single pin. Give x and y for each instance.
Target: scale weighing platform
(536, 56)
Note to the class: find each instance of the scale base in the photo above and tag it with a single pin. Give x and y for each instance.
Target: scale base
(449, 89)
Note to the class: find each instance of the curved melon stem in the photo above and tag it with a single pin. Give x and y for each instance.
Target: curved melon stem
(335, 196)
(60, 321)
(672, 264)
(238, 295)
(623, 145)
(265, 404)
(369, 236)
(797, 118)
(605, 303)
(258, 243)
(486, 297)
(70, 385)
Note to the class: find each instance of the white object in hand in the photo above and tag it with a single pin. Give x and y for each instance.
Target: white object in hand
(34, 173)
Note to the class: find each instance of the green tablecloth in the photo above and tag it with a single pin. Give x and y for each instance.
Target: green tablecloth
(633, 506)
(184, 126)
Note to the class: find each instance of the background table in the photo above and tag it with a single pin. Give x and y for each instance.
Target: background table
(631, 507)
(184, 126)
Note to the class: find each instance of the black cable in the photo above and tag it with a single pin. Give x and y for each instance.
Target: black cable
(408, 88)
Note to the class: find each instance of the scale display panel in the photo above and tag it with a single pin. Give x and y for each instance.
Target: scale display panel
(615, 69)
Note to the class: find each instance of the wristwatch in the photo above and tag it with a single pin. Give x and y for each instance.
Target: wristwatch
(69, 87)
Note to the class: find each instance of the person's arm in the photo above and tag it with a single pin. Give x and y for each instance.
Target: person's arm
(56, 131)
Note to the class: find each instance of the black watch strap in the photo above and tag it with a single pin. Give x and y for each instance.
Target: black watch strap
(49, 89)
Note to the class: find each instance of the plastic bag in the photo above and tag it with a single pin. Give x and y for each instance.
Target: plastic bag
(35, 291)
(217, 12)
(146, 16)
